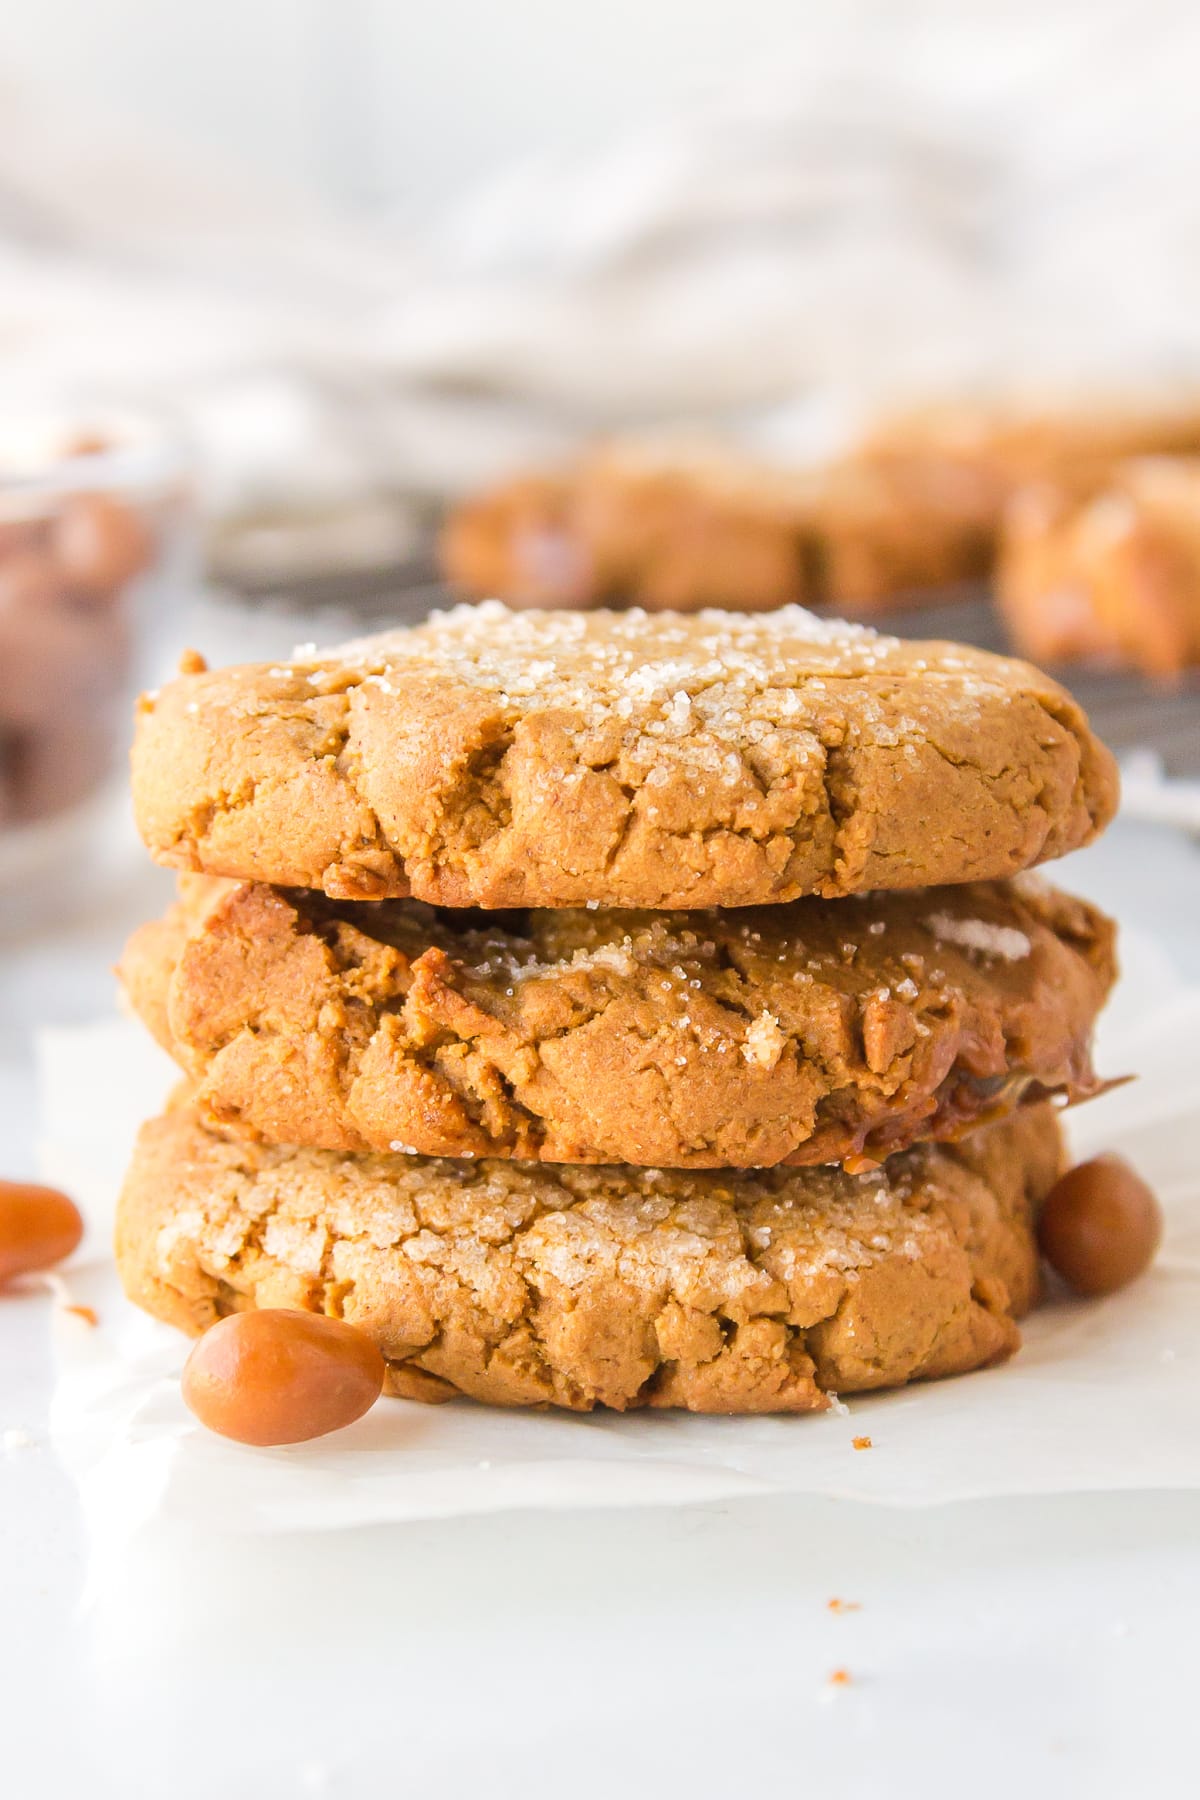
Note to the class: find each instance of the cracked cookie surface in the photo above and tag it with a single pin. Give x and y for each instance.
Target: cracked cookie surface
(498, 759)
(815, 1032)
(522, 1283)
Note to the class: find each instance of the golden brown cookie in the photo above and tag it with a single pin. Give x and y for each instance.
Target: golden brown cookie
(524, 1283)
(1113, 575)
(681, 527)
(498, 759)
(913, 508)
(918, 504)
(816, 1032)
(671, 527)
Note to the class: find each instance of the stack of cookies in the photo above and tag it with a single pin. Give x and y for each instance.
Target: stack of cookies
(612, 1009)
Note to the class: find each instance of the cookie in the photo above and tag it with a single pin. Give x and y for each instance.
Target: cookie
(673, 527)
(498, 759)
(890, 532)
(1112, 576)
(679, 527)
(920, 501)
(526, 1283)
(686, 530)
(914, 507)
(990, 447)
(821, 1031)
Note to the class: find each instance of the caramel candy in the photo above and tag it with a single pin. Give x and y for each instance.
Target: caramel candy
(281, 1377)
(39, 1226)
(1100, 1226)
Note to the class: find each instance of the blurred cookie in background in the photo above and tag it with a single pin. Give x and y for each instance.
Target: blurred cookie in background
(681, 523)
(1111, 576)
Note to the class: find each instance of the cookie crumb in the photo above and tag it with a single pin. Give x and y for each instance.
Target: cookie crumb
(16, 1438)
(88, 1314)
(192, 663)
(844, 1606)
(862, 1443)
(835, 1683)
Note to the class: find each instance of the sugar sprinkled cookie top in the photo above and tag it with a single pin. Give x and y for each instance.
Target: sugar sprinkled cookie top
(494, 758)
(599, 661)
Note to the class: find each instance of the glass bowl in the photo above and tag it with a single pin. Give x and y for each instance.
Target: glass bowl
(97, 551)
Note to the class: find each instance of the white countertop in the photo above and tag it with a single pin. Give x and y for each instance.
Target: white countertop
(1039, 1645)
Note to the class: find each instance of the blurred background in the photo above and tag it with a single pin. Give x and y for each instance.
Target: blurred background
(284, 285)
(361, 256)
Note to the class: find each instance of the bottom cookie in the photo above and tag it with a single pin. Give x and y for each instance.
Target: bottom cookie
(523, 1284)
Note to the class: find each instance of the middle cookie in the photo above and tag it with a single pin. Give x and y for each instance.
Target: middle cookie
(814, 1032)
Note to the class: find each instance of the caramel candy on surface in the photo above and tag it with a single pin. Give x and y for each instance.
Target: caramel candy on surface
(281, 1377)
(39, 1226)
(1100, 1226)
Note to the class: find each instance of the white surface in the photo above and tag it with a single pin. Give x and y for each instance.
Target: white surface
(1039, 1645)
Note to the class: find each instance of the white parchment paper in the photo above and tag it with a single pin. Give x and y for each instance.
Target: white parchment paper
(1104, 1395)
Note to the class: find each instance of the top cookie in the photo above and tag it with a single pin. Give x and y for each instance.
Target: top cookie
(490, 758)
